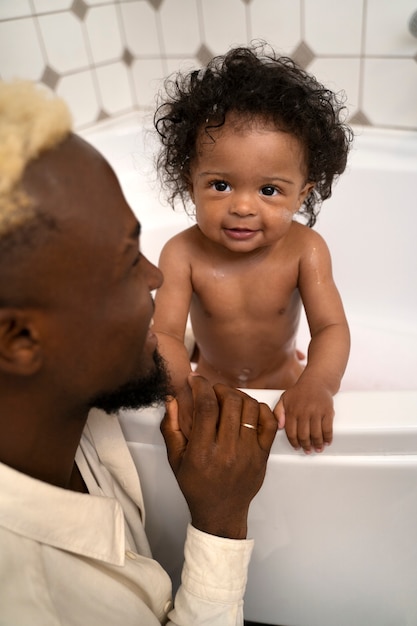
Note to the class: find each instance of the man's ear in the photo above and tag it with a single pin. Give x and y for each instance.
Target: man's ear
(20, 350)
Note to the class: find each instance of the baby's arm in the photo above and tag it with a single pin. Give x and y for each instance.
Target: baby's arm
(172, 304)
(307, 407)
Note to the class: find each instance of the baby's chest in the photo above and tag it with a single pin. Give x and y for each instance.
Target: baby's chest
(255, 291)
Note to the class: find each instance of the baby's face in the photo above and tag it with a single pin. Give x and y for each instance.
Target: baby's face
(247, 184)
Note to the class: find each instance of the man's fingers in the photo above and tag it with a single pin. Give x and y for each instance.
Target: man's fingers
(206, 408)
(237, 408)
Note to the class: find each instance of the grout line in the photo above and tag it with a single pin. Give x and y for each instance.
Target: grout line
(248, 22)
(39, 34)
(91, 67)
(302, 21)
(161, 42)
(362, 55)
(200, 17)
(122, 31)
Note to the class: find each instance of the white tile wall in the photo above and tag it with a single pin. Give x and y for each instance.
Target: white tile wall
(224, 24)
(78, 90)
(387, 28)
(140, 28)
(276, 21)
(334, 28)
(180, 64)
(20, 50)
(180, 27)
(115, 88)
(390, 89)
(340, 75)
(95, 2)
(107, 57)
(45, 6)
(64, 42)
(14, 8)
(147, 77)
(104, 34)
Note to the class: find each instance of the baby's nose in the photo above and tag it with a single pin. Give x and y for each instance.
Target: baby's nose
(242, 204)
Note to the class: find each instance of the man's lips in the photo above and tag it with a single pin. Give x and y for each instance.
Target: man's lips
(240, 234)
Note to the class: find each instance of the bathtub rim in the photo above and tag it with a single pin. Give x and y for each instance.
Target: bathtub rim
(366, 423)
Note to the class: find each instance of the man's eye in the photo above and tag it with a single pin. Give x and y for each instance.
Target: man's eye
(137, 259)
(269, 190)
(221, 185)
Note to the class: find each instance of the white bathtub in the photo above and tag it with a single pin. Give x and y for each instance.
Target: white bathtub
(336, 533)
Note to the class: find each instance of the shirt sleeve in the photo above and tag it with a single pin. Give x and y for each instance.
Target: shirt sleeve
(214, 579)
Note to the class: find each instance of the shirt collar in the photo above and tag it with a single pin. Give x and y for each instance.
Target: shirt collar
(91, 526)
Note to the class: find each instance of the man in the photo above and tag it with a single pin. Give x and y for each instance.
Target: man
(75, 346)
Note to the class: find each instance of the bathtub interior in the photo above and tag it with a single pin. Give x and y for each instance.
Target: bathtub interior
(335, 534)
(368, 223)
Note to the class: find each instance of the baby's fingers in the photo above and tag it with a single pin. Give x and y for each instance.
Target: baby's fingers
(327, 428)
(279, 413)
(175, 441)
(321, 424)
(267, 427)
(304, 434)
(291, 428)
(316, 434)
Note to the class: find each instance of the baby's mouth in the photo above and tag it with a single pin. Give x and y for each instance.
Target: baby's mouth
(240, 233)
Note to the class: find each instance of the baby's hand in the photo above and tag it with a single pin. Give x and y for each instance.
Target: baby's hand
(307, 413)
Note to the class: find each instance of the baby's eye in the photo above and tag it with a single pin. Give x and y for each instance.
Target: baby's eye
(220, 185)
(269, 190)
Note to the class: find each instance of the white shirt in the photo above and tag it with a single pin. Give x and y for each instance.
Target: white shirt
(73, 559)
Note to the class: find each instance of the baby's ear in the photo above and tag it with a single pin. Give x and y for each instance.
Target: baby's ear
(190, 190)
(309, 186)
(20, 351)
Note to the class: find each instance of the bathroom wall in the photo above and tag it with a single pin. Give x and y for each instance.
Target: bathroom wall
(107, 57)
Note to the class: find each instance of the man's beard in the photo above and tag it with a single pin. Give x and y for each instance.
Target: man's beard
(145, 391)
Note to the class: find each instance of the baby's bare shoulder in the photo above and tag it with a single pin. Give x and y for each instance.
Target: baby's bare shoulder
(313, 254)
(306, 238)
(181, 241)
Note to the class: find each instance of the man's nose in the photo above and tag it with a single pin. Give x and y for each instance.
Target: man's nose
(154, 276)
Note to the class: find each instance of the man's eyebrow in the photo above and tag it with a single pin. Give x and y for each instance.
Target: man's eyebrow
(131, 237)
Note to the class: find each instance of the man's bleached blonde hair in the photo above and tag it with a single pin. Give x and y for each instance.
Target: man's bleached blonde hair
(32, 120)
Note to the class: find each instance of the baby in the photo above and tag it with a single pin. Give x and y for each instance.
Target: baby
(254, 142)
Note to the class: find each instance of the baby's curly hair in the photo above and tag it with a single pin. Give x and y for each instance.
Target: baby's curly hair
(254, 83)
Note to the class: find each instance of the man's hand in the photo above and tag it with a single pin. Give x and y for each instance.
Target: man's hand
(222, 464)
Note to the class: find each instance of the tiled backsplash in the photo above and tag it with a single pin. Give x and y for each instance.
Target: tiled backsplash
(107, 57)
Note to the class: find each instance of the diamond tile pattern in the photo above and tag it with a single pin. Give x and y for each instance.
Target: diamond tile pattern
(127, 57)
(204, 55)
(79, 8)
(360, 119)
(303, 55)
(50, 78)
(82, 45)
(155, 3)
